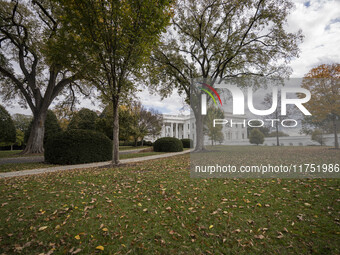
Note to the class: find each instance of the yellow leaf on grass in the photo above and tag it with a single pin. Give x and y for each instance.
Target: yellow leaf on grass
(42, 228)
(77, 237)
(105, 229)
(139, 204)
(99, 247)
(211, 226)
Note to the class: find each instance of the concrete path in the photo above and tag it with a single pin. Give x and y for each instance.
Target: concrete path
(90, 165)
(38, 159)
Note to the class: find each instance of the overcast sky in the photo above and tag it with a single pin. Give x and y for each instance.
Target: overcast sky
(320, 24)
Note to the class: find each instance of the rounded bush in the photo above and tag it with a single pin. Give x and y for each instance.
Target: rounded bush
(77, 147)
(187, 143)
(145, 143)
(168, 144)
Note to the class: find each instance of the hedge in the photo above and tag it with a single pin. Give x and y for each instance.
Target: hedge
(77, 147)
(168, 144)
(187, 143)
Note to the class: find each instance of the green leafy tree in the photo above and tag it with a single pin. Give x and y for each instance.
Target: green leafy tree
(221, 39)
(265, 130)
(7, 128)
(20, 136)
(33, 55)
(84, 119)
(22, 121)
(215, 133)
(51, 126)
(104, 123)
(115, 38)
(256, 137)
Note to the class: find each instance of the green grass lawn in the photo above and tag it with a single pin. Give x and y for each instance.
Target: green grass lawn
(15, 153)
(22, 166)
(11, 167)
(156, 208)
(125, 148)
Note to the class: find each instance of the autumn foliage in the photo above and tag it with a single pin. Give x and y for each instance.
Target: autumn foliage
(324, 84)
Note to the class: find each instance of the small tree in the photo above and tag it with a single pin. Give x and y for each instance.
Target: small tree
(215, 133)
(317, 135)
(7, 128)
(256, 137)
(324, 84)
(144, 122)
(265, 130)
(84, 119)
(20, 138)
(22, 121)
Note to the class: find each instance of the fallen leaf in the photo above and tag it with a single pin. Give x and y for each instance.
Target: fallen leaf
(99, 247)
(42, 228)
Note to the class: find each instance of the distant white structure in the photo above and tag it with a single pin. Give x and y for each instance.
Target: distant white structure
(181, 126)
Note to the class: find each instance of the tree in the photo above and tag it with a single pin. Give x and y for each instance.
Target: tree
(105, 122)
(317, 135)
(22, 121)
(32, 57)
(116, 38)
(51, 127)
(311, 123)
(20, 136)
(217, 39)
(84, 119)
(256, 137)
(257, 124)
(324, 84)
(144, 122)
(64, 113)
(7, 128)
(215, 133)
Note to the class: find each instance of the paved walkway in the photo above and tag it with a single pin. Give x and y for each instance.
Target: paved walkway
(90, 165)
(38, 159)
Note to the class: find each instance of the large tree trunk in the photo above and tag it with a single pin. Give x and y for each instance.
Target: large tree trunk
(199, 132)
(336, 142)
(115, 149)
(35, 143)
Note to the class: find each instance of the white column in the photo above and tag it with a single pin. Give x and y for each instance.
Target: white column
(172, 130)
(163, 130)
(184, 130)
(176, 130)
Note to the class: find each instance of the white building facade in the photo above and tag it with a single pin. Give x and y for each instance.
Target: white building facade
(182, 126)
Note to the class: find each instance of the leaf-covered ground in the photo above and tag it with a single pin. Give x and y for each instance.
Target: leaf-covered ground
(156, 208)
